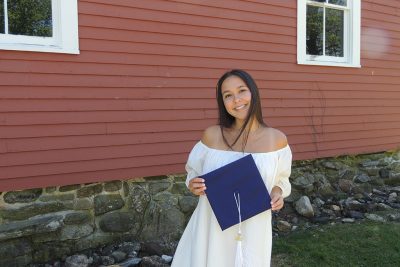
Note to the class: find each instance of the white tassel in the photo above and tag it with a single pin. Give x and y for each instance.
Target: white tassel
(239, 261)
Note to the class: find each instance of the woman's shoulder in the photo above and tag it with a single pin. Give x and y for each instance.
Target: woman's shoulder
(273, 139)
(211, 136)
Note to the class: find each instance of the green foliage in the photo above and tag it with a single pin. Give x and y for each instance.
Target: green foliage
(314, 30)
(2, 17)
(366, 244)
(30, 17)
(333, 31)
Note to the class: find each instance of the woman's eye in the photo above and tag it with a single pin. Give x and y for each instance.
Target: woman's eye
(227, 96)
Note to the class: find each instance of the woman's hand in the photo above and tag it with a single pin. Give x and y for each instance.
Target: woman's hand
(276, 198)
(197, 186)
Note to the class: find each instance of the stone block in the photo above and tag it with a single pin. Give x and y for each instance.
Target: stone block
(188, 203)
(90, 190)
(333, 165)
(130, 248)
(347, 174)
(166, 199)
(37, 225)
(57, 197)
(119, 222)
(78, 218)
(326, 190)
(303, 182)
(83, 204)
(118, 256)
(362, 178)
(294, 196)
(374, 217)
(67, 188)
(113, 186)
(180, 188)
(346, 185)
(73, 232)
(139, 198)
(159, 186)
(24, 196)
(284, 226)
(51, 189)
(153, 261)
(355, 205)
(77, 261)
(303, 207)
(372, 171)
(106, 203)
(163, 222)
(31, 210)
(369, 163)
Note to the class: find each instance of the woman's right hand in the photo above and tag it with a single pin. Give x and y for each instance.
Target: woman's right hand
(197, 186)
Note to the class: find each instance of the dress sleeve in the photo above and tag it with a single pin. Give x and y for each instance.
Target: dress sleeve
(194, 164)
(283, 171)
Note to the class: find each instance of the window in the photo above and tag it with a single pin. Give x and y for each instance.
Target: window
(328, 32)
(39, 25)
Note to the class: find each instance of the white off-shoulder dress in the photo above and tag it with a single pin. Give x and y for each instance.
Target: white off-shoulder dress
(203, 243)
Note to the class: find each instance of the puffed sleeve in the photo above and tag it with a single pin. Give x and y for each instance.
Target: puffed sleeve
(283, 171)
(194, 164)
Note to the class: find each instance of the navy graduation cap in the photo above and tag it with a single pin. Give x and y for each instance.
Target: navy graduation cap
(239, 179)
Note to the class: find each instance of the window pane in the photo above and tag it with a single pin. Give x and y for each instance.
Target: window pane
(2, 17)
(315, 17)
(320, 1)
(338, 2)
(334, 26)
(30, 17)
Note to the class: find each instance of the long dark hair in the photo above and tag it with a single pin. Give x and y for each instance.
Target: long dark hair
(226, 120)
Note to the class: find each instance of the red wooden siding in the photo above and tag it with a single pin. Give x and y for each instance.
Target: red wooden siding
(138, 96)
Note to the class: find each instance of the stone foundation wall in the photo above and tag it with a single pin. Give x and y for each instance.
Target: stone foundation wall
(42, 225)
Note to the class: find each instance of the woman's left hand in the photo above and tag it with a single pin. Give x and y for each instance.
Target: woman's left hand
(276, 198)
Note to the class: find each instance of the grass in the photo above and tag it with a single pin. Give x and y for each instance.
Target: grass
(366, 244)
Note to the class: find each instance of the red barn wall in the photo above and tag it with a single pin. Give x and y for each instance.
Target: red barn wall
(137, 97)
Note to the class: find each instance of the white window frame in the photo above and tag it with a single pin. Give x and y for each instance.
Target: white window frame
(65, 32)
(351, 34)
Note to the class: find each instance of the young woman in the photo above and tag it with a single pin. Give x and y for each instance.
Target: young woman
(241, 131)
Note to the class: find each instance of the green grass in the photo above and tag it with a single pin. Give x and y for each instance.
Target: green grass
(366, 244)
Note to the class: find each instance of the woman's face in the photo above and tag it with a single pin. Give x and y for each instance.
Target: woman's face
(236, 96)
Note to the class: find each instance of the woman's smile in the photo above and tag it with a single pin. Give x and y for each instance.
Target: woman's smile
(240, 107)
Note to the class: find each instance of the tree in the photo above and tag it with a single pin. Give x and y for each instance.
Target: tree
(30, 17)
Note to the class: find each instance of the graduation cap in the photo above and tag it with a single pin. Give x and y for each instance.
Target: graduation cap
(236, 192)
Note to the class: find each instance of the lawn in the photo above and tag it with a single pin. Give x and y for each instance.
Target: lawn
(364, 244)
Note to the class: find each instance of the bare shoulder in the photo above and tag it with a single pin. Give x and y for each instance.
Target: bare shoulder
(273, 139)
(211, 136)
